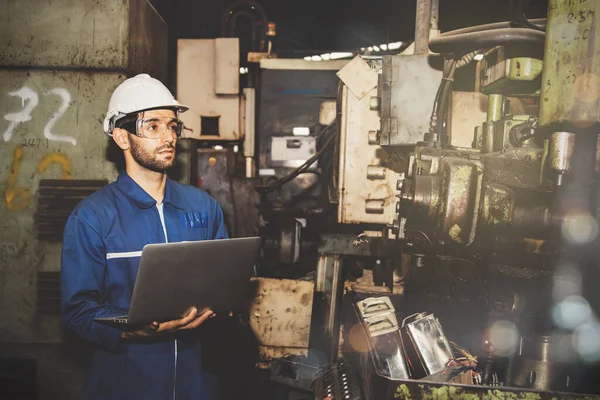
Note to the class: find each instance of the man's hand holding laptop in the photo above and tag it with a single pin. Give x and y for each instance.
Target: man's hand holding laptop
(191, 321)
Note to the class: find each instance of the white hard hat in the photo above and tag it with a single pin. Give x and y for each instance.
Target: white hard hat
(142, 92)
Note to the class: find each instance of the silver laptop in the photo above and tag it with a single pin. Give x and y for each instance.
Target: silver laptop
(174, 277)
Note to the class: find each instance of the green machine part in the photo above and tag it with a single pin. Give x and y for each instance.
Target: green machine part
(505, 72)
(571, 77)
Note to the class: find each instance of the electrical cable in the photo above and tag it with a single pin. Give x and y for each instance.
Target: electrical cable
(301, 169)
(444, 103)
(441, 102)
(466, 59)
(435, 120)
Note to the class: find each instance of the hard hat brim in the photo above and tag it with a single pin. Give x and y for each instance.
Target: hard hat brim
(179, 108)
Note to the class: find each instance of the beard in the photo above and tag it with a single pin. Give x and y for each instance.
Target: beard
(150, 161)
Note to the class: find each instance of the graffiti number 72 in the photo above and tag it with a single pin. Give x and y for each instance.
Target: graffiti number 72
(29, 101)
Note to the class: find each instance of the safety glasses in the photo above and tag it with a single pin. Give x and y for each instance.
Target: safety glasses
(151, 128)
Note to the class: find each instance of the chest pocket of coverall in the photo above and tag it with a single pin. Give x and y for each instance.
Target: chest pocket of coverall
(194, 225)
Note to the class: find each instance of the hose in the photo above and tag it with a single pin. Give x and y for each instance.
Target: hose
(519, 17)
(538, 22)
(229, 17)
(444, 102)
(465, 42)
(466, 59)
(233, 21)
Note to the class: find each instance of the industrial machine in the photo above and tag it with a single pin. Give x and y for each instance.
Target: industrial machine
(445, 195)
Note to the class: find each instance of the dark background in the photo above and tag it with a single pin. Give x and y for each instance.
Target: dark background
(340, 25)
(308, 27)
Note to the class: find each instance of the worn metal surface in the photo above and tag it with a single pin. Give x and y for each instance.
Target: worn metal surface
(516, 168)
(460, 199)
(504, 132)
(427, 195)
(446, 201)
(280, 316)
(468, 111)
(408, 88)
(227, 66)
(367, 186)
(359, 246)
(462, 195)
(506, 71)
(442, 193)
(249, 130)
(562, 145)
(534, 355)
(323, 341)
(498, 207)
(51, 129)
(76, 34)
(196, 81)
(571, 86)
(494, 112)
(359, 77)
(422, 24)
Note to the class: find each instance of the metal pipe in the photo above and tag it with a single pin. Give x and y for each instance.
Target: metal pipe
(495, 102)
(374, 206)
(578, 189)
(422, 24)
(249, 130)
(570, 93)
(324, 332)
(435, 15)
(487, 137)
(561, 151)
(485, 39)
(375, 172)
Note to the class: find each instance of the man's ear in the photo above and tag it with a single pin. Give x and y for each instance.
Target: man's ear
(121, 138)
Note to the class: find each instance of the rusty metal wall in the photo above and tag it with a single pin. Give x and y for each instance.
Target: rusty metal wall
(127, 36)
(50, 130)
(60, 62)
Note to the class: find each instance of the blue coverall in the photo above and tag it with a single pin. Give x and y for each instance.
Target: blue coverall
(102, 245)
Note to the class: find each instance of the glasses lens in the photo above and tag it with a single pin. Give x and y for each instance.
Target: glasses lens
(154, 128)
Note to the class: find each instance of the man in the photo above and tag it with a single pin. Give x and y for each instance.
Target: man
(102, 245)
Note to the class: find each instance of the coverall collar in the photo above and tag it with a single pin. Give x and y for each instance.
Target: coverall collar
(141, 198)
